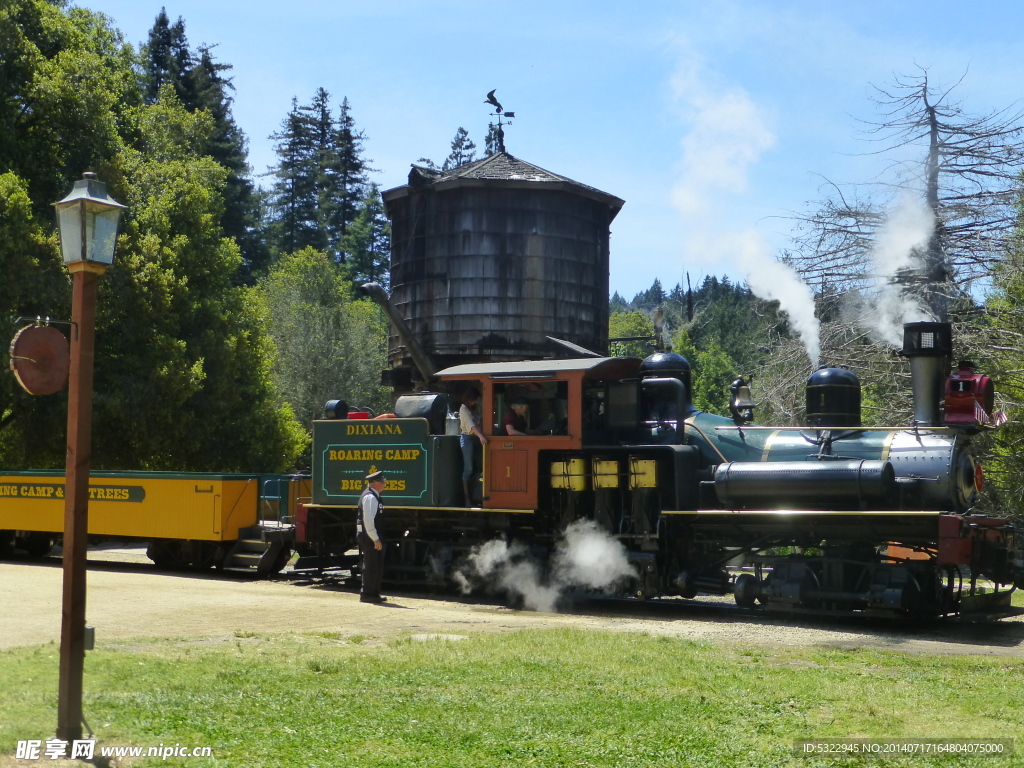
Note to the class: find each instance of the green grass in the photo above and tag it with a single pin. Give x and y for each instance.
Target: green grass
(530, 698)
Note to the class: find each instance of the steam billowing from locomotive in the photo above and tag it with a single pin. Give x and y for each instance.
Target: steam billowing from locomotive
(585, 557)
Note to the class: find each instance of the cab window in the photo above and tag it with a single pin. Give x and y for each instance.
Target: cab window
(534, 408)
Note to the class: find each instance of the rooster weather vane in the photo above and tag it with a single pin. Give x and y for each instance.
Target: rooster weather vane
(499, 113)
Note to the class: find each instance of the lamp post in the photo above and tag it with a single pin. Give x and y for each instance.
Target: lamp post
(87, 220)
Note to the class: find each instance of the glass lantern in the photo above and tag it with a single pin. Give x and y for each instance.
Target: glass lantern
(87, 220)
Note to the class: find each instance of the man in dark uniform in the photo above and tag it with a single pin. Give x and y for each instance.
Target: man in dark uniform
(369, 527)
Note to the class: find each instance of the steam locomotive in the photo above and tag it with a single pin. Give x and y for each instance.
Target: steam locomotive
(830, 518)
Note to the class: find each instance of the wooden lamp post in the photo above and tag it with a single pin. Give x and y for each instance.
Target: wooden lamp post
(87, 220)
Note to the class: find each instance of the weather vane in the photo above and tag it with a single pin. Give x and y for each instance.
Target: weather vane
(499, 113)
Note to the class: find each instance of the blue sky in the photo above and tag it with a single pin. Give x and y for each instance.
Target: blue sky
(711, 119)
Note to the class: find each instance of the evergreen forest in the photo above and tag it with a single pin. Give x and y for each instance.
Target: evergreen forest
(232, 314)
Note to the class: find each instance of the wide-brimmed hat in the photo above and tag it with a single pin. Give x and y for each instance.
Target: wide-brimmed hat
(375, 476)
(519, 401)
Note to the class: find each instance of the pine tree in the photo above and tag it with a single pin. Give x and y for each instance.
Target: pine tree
(166, 58)
(463, 150)
(208, 89)
(321, 178)
(367, 243)
(325, 170)
(353, 169)
(293, 197)
(199, 83)
(651, 298)
(618, 304)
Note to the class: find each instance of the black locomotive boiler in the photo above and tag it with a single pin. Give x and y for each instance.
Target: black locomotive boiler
(834, 517)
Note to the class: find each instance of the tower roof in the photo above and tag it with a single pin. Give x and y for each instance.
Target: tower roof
(499, 169)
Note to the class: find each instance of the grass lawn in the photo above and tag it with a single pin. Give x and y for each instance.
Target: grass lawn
(529, 698)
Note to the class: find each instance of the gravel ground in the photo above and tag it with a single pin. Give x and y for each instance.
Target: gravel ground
(129, 598)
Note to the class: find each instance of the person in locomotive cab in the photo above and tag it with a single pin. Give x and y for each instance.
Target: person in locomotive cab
(369, 535)
(516, 420)
(469, 426)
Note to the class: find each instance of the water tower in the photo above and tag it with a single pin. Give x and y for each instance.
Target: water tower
(492, 257)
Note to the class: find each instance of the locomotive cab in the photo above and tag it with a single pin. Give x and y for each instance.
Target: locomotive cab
(567, 403)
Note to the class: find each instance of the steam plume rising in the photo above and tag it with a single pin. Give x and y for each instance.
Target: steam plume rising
(728, 133)
(777, 281)
(899, 249)
(586, 556)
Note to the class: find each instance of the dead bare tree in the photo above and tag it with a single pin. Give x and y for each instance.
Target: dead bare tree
(965, 169)
(965, 172)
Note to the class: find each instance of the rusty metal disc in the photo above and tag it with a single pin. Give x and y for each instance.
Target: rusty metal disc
(40, 359)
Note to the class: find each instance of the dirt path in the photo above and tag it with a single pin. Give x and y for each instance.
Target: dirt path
(130, 599)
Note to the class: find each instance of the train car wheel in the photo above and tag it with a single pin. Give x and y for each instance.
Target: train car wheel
(202, 555)
(164, 555)
(37, 544)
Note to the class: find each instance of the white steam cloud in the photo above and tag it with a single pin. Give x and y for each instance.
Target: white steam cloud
(586, 556)
(776, 281)
(899, 246)
(727, 136)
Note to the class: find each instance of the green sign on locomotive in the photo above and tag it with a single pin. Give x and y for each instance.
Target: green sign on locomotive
(347, 450)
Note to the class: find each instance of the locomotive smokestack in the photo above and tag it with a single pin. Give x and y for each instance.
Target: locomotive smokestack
(930, 348)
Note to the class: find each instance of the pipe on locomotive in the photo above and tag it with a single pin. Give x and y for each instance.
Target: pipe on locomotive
(929, 346)
(419, 355)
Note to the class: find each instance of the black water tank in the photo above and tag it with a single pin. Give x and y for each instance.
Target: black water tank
(490, 258)
(833, 398)
(336, 409)
(426, 405)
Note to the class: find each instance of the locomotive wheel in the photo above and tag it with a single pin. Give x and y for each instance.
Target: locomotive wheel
(950, 587)
(746, 590)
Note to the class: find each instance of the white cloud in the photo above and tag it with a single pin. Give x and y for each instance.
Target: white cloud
(727, 134)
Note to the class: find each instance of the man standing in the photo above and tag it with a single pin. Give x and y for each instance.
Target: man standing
(369, 534)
